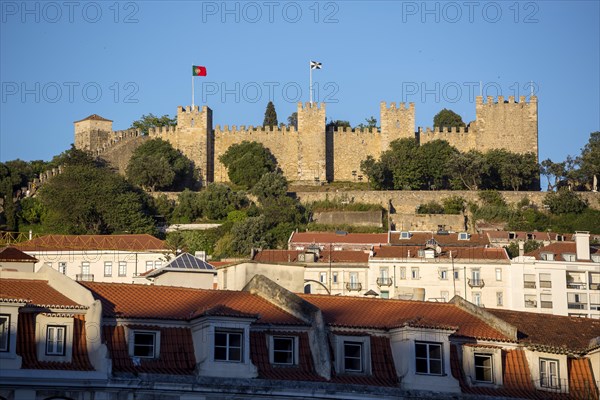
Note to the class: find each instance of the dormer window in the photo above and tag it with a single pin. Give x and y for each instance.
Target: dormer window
(405, 235)
(484, 368)
(530, 236)
(569, 257)
(228, 345)
(464, 236)
(560, 238)
(547, 256)
(145, 344)
(512, 235)
(421, 253)
(55, 340)
(353, 354)
(284, 350)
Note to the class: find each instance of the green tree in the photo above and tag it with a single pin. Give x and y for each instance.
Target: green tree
(433, 207)
(332, 125)
(589, 160)
(74, 156)
(435, 157)
(564, 202)
(379, 175)
(467, 169)
(271, 184)
(247, 162)
(152, 121)
(249, 234)
(293, 120)
(187, 208)
(270, 115)
(90, 200)
(454, 205)
(371, 123)
(156, 165)
(406, 164)
(218, 200)
(447, 118)
(554, 172)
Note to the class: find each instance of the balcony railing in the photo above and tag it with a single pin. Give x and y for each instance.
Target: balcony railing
(476, 283)
(85, 277)
(595, 307)
(384, 281)
(529, 284)
(576, 285)
(594, 286)
(354, 286)
(577, 306)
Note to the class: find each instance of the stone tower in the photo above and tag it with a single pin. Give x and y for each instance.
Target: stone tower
(193, 136)
(396, 123)
(507, 124)
(92, 132)
(311, 143)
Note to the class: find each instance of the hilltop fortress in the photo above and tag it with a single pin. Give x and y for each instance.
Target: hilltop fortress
(311, 153)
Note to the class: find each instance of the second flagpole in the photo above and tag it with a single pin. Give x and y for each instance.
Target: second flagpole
(192, 88)
(310, 88)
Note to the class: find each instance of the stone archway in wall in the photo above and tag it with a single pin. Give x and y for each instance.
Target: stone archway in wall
(308, 283)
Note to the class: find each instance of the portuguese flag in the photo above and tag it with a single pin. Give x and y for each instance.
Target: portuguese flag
(198, 70)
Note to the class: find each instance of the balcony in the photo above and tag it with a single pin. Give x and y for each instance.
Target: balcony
(577, 306)
(576, 285)
(529, 284)
(84, 277)
(594, 307)
(594, 286)
(354, 286)
(478, 283)
(384, 282)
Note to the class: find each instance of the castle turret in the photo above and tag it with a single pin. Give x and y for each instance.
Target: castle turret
(311, 143)
(396, 122)
(92, 132)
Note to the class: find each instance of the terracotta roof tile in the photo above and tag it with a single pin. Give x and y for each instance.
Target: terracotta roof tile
(176, 355)
(335, 238)
(581, 379)
(389, 313)
(459, 254)
(11, 254)
(259, 353)
(26, 346)
(522, 235)
(177, 303)
(93, 242)
(450, 239)
(557, 333)
(285, 256)
(558, 249)
(34, 292)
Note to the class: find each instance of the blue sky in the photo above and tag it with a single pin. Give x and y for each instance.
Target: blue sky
(61, 61)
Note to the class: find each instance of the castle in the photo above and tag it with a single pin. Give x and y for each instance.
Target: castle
(310, 152)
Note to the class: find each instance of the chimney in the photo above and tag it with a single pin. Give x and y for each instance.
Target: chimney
(521, 248)
(582, 244)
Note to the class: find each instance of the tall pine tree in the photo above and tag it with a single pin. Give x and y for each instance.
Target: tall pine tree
(270, 115)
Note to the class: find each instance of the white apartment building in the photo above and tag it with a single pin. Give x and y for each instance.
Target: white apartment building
(98, 258)
(562, 278)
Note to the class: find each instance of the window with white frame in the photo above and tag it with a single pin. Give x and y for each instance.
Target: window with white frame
(323, 277)
(569, 257)
(456, 275)
(145, 344)
(428, 358)
(499, 298)
(484, 368)
(122, 268)
(228, 345)
(545, 280)
(4, 332)
(549, 377)
(62, 267)
(85, 268)
(414, 272)
(498, 274)
(547, 256)
(149, 266)
(284, 350)
(402, 272)
(335, 277)
(546, 300)
(157, 264)
(443, 274)
(464, 236)
(353, 357)
(107, 268)
(477, 298)
(530, 301)
(56, 340)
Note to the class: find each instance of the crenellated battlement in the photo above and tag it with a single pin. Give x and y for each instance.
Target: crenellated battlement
(251, 129)
(443, 129)
(191, 110)
(357, 131)
(311, 106)
(392, 106)
(491, 101)
(162, 130)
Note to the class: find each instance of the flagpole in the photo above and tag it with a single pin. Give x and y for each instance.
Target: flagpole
(192, 87)
(311, 87)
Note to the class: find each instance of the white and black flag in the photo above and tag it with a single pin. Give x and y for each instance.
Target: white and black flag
(315, 65)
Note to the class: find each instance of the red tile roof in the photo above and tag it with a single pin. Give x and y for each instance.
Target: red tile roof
(291, 256)
(259, 354)
(176, 351)
(581, 379)
(450, 239)
(459, 254)
(34, 292)
(11, 254)
(94, 117)
(522, 235)
(389, 313)
(94, 242)
(558, 249)
(335, 238)
(26, 345)
(177, 303)
(554, 332)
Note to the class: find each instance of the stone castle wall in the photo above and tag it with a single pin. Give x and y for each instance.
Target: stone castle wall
(311, 154)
